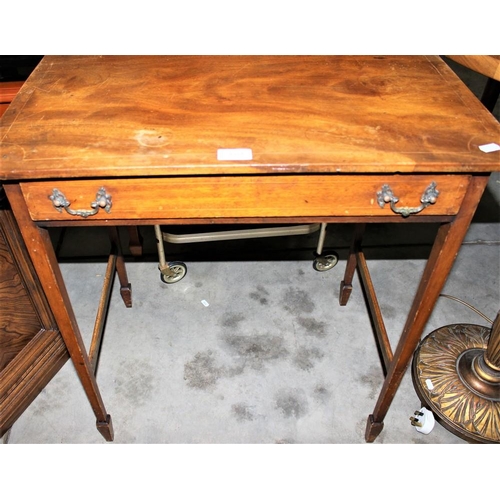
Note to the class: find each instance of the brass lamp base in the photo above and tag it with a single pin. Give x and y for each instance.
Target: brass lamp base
(452, 378)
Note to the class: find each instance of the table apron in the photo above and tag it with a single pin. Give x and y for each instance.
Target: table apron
(244, 197)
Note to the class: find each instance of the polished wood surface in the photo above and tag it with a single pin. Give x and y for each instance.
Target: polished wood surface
(136, 116)
(216, 197)
(325, 134)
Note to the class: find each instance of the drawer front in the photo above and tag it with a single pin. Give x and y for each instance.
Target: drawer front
(245, 196)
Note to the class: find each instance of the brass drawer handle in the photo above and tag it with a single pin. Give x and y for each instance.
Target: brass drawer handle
(387, 196)
(102, 200)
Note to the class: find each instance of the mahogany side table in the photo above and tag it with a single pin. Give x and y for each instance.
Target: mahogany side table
(129, 141)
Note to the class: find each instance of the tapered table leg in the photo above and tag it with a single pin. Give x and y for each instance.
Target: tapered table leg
(135, 241)
(121, 271)
(346, 283)
(47, 268)
(444, 251)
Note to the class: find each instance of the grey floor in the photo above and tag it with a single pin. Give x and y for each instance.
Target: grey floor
(252, 346)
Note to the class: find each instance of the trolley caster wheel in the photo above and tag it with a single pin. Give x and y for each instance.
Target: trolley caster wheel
(325, 262)
(178, 268)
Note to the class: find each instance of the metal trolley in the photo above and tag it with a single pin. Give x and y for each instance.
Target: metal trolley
(172, 272)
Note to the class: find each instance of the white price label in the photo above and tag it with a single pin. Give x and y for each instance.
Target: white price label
(232, 154)
(489, 148)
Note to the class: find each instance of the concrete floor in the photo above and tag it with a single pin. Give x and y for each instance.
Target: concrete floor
(270, 357)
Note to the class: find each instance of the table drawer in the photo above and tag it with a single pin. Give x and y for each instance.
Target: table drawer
(239, 196)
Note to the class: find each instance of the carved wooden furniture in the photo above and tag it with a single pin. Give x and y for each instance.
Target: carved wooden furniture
(125, 141)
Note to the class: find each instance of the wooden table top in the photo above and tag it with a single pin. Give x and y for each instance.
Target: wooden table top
(92, 116)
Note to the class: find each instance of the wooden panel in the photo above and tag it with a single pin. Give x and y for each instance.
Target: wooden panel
(31, 349)
(19, 322)
(92, 116)
(28, 374)
(245, 196)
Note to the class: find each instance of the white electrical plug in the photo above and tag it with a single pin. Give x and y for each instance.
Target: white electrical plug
(423, 421)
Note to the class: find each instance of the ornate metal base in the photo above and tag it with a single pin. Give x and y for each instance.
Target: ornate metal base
(453, 381)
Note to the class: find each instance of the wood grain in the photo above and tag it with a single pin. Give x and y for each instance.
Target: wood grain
(325, 133)
(245, 196)
(28, 374)
(19, 322)
(83, 116)
(31, 349)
